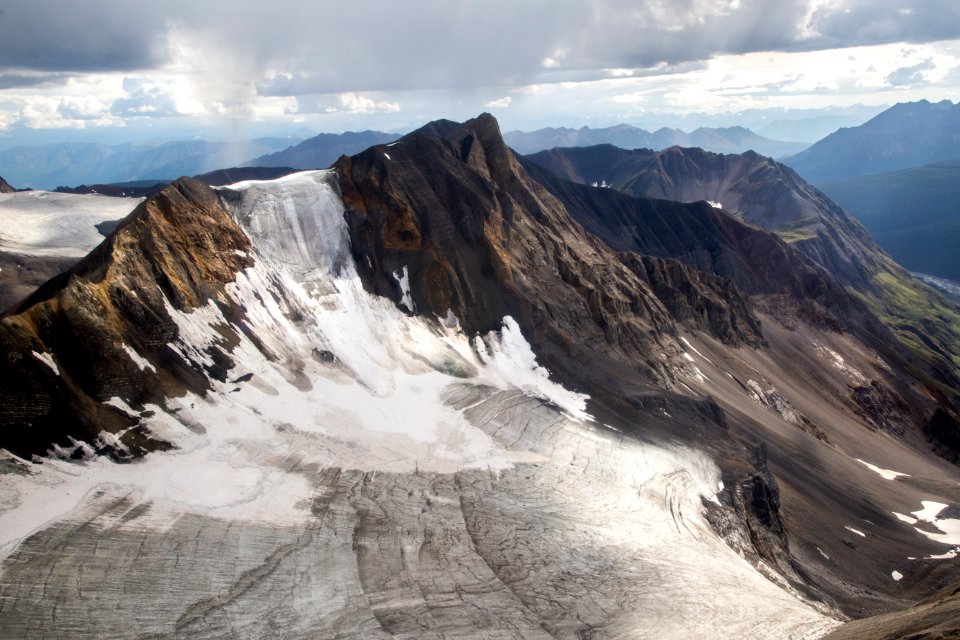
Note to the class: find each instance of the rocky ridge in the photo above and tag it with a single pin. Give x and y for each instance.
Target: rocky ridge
(710, 424)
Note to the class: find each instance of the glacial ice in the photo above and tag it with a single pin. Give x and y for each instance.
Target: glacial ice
(378, 471)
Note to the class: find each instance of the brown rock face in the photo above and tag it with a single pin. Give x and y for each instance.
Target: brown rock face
(64, 349)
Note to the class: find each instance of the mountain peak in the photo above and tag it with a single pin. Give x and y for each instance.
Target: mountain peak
(5, 186)
(175, 252)
(908, 134)
(484, 125)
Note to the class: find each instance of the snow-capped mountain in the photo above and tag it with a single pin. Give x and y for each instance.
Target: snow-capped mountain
(412, 396)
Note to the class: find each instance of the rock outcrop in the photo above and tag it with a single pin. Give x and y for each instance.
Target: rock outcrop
(451, 211)
(66, 350)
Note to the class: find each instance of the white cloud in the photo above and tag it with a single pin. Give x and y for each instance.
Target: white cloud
(356, 103)
(158, 97)
(82, 108)
(499, 103)
(555, 60)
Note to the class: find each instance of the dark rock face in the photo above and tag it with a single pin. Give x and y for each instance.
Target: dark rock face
(698, 299)
(838, 256)
(759, 190)
(881, 408)
(478, 237)
(943, 431)
(710, 240)
(5, 186)
(22, 275)
(179, 247)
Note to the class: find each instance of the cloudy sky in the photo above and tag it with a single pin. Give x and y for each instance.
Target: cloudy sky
(73, 69)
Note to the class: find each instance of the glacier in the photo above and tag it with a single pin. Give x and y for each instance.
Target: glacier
(46, 223)
(368, 473)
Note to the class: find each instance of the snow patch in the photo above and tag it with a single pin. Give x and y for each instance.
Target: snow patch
(839, 363)
(896, 575)
(772, 399)
(510, 361)
(929, 511)
(139, 360)
(715, 205)
(47, 359)
(403, 279)
(851, 529)
(886, 474)
(694, 349)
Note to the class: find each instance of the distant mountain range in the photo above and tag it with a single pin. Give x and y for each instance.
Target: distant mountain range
(906, 135)
(767, 194)
(322, 150)
(441, 390)
(73, 163)
(146, 188)
(625, 136)
(913, 213)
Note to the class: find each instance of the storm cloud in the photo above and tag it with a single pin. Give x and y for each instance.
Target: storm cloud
(326, 64)
(90, 36)
(290, 47)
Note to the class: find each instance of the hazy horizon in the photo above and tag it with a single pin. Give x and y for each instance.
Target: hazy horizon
(113, 71)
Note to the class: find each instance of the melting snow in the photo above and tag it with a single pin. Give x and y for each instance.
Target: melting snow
(694, 349)
(859, 533)
(139, 360)
(837, 361)
(886, 474)
(403, 278)
(929, 511)
(47, 359)
(510, 361)
(948, 529)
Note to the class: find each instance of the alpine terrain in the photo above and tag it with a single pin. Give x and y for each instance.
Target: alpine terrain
(909, 134)
(440, 390)
(721, 140)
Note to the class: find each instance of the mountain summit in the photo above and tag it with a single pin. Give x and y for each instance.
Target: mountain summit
(906, 135)
(625, 136)
(426, 392)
